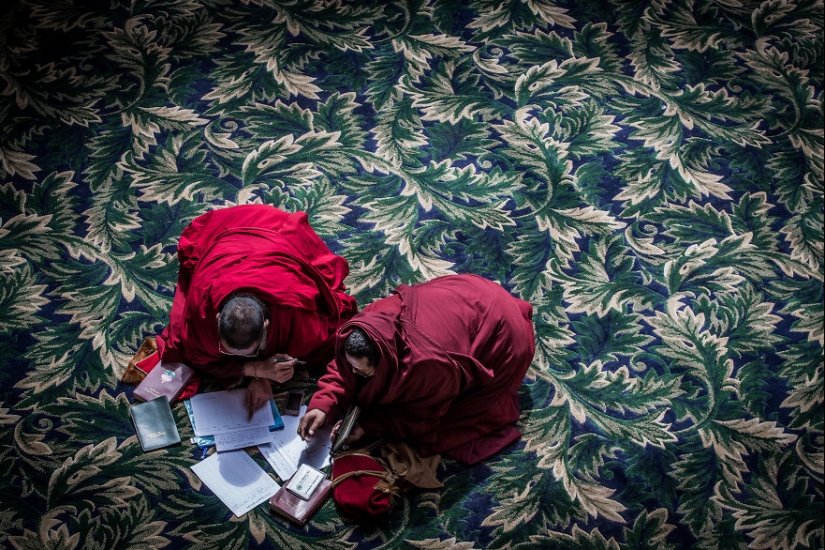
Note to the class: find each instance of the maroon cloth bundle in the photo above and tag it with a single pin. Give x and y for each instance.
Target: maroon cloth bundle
(363, 487)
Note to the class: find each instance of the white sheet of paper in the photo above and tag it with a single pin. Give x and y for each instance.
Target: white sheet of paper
(288, 450)
(219, 412)
(240, 439)
(237, 480)
(283, 467)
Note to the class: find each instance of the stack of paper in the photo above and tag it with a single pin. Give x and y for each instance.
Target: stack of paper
(231, 473)
(223, 415)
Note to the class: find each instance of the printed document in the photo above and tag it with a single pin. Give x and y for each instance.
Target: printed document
(237, 480)
(220, 412)
(240, 439)
(288, 450)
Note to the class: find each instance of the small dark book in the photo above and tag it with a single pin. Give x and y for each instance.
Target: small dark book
(344, 431)
(297, 509)
(165, 379)
(154, 424)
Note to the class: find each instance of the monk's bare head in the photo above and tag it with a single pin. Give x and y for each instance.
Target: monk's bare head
(243, 322)
(361, 353)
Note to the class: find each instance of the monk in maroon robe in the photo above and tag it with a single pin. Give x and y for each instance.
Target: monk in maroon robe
(451, 355)
(276, 260)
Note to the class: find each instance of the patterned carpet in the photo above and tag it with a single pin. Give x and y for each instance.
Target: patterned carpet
(649, 174)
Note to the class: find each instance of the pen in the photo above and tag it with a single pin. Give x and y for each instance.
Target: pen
(297, 361)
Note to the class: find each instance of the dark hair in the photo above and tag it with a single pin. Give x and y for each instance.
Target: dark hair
(241, 320)
(359, 345)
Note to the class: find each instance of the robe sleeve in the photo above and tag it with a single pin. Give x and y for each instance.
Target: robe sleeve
(333, 396)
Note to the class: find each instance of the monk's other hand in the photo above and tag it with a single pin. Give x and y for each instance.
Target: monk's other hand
(334, 433)
(258, 393)
(354, 435)
(311, 421)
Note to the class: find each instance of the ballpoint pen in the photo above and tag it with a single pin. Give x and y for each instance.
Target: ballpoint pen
(297, 361)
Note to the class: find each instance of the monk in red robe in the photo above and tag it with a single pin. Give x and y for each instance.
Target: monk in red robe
(436, 365)
(272, 286)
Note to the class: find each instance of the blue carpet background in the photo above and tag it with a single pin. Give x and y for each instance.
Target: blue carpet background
(648, 174)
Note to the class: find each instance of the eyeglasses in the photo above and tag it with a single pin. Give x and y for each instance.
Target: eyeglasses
(247, 355)
(256, 353)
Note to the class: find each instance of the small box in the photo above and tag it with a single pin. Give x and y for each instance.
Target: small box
(304, 482)
(297, 509)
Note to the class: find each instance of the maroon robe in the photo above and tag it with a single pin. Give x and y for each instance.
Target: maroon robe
(454, 352)
(276, 256)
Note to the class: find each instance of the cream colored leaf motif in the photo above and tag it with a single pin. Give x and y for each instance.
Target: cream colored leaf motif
(814, 461)
(806, 394)
(446, 544)
(146, 531)
(257, 526)
(101, 228)
(231, 88)
(595, 498)
(441, 44)
(593, 539)
(18, 163)
(763, 434)
(22, 299)
(803, 249)
(48, 538)
(765, 518)
(488, 65)
(491, 19)
(7, 419)
(505, 516)
(219, 139)
(811, 320)
(296, 84)
(77, 478)
(176, 114)
(657, 518)
(686, 338)
(738, 438)
(551, 13)
(563, 396)
(31, 443)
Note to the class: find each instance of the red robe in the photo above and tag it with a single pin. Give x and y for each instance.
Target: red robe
(275, 255)
(454, 352)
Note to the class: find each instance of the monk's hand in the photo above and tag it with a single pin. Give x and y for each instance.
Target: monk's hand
(278, 368)
(311, 421)
(334, 433)
(354, 435)
(258, 393)
(282, 367)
